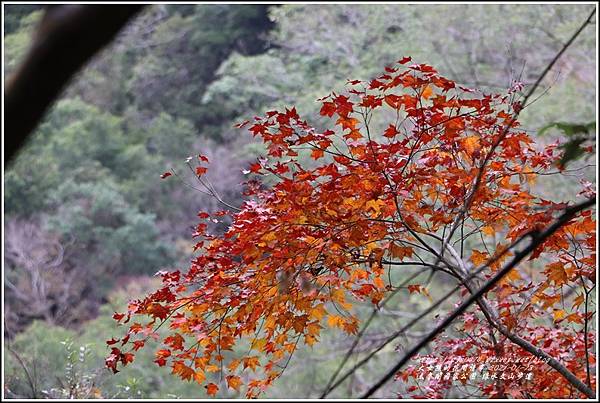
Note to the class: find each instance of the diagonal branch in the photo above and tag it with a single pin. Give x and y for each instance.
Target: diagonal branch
(362, 332)
(422, 315)
(66, 38)
(537, 240)
(471, 196)
(492, 318)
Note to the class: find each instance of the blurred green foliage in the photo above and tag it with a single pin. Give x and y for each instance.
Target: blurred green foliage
(112, 233)
(56, 358)
(578, 135)
(19, 23)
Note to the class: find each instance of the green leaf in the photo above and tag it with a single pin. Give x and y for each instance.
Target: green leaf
(577, 134)
(570, 129)
(572, 150)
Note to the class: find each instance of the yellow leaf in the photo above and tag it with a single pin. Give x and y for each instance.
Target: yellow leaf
(374, 205)
(251, 362)
(97, 393)
(313, 329)
(259, 344)
(400, 252)
(426, 293)
(478, 257)
(212, 368)
(278, 354)
(558, 314)
(359, 274)
(199, 376)
(556, 273)
(233, 365)
(280, 339)
(427, 92)
(200, 362)
(318, 312)
(471, 144)
(578, 301)
(488, 230)
(512, 275)
(338, 295)
(335, 321)
(198, 309)
(270, 322)
(310, 340)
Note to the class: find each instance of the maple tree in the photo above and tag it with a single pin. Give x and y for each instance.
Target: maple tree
(413, 169)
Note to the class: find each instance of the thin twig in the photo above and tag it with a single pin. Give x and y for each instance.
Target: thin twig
(537, 240)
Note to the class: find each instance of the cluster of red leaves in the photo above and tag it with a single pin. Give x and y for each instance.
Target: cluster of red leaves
(396, 167)
(550, 308)
(504, 371)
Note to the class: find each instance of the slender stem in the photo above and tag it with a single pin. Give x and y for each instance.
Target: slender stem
(537, 239)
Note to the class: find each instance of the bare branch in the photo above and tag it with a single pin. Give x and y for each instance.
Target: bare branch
(479, 178)
(537, 240)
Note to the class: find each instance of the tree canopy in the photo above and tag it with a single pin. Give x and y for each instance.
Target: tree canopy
(413, 166)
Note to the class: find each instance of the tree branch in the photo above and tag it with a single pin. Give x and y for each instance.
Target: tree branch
(537, 240)
(480, 174)
(66, 38)
(422, 315)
